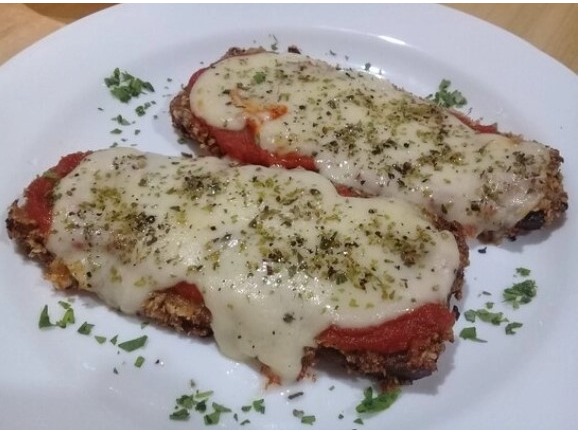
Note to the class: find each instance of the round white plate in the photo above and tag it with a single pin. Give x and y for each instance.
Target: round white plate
(53, 101)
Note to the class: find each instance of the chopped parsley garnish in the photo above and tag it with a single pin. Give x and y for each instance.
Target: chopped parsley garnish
(485, 316)
(68, 317)
(295, 395)
(520, 293)
(131, 345)
(121, 120)
(44, 321)
(201, 406)
(446, 98)
(180, 415)
(199, 402)
(305, 419)
(259, 77)
(471, 334)
(64, 304)
(124, 86)
(203, 395)
(377, 403)
(139, 361)
(511, 328)
(85, 328)
(470, 316)
(141, 109)
(275, 44)
(187, 401)
(489, 317)
(100, 339)
(259, 405)
(214, 417)
(113, 340)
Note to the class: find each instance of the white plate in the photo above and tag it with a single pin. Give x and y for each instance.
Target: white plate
(50, 95)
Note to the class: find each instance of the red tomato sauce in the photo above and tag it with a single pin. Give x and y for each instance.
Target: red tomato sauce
(390, 337)
(476, 126)
(188, 291)
(395, 335)
(242, 145)
(38, 195)
(346, 191)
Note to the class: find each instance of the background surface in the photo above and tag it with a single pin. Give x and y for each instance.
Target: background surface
(550, 28)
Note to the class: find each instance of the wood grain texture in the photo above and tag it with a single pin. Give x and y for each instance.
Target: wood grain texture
(23, 24)
(552, 28)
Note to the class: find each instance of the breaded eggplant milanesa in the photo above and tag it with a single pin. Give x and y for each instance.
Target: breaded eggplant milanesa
(273, 263)
(360, 131)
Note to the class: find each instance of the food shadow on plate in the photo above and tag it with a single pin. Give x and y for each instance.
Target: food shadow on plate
(517, 244)
(328, 364)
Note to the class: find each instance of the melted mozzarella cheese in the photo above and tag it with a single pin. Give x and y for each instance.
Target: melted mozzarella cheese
(367, 134)
(278, 255)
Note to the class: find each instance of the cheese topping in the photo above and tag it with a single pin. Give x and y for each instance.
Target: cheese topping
(278, 255)
(367, 134)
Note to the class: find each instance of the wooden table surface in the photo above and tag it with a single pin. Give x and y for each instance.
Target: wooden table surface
(551, 28)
